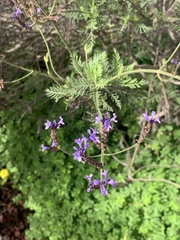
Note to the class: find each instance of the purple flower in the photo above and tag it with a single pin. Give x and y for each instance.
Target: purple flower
(83, 145)
(54, 125)
(105, 174)
(78, 154)
(104, 190)
(26, 25)
(92, 135)
(112, 182)
(106, 121)
(98, 184)
(16, 13)
(151, 119)
(44, 147)
(107, 180)
(54, 144)
(174, 61)
(47, 124)
(38, 10)
(93, 184)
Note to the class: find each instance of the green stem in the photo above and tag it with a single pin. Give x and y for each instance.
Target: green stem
(68, 49)
(53, 6)
(63, 41)
(49, 73)
(144, 71)
(125, 150)
(50, 59)
(60, 149)
(19, 79)
(25, 69)
(110, 154)
(170, 56)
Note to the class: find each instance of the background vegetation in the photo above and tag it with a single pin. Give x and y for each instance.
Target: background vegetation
(80, 58)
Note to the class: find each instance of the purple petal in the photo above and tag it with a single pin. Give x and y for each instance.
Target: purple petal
(97, 182)
(112, 182)
(77, 155)
(105, 174)
(38, 10)
(44, 147)
(61, 121)
(48, 124)
(89, 177)
(54, 144)
(92, 135)
(104, 190)
(151, 119)
(99, 119)
(17, 13)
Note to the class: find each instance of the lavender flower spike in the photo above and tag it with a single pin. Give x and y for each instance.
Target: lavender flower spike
(83, 145)
(93, 184)
(92, 135)
(106, 121)
(54, 125)
(151, 119)
(102, 185)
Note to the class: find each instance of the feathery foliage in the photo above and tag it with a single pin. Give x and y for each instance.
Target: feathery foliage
(91, 79)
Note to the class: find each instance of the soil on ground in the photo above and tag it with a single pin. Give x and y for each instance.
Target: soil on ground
(13, 216)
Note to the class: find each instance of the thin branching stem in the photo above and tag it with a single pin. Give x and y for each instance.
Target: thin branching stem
(25, 69)
(154, 166)
(50, 59)
(154, 180)
(145, 71)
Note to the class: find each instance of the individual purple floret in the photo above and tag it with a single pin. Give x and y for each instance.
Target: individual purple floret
(92, 135)
(54, 125)
(44, 147)
(81, 151)
(16, 13)
(93, 184)
(38, 10)
(106, 121)
(151, 119)
(98, 184)
(26, 25)
(108, 181)
(53, 146)
(174, 61)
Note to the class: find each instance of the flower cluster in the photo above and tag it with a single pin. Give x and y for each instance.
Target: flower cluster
(106, 121)
(174, 61)
(83, 143)
(150, 119)
(102, 185)
(53, 126)
(18, 12)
